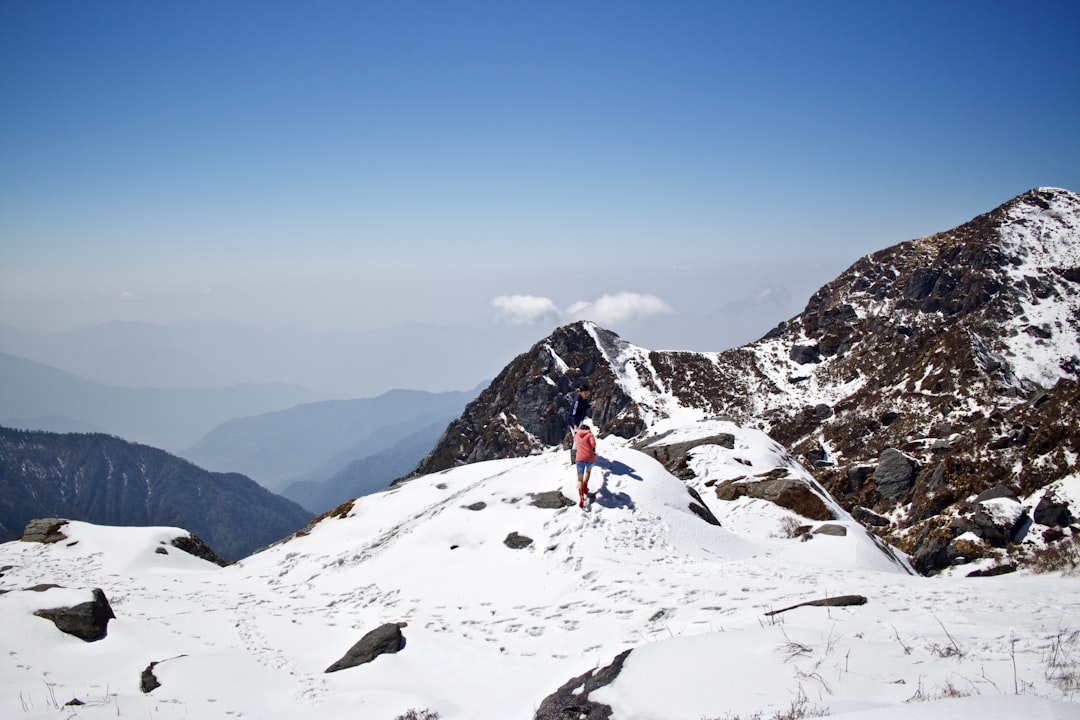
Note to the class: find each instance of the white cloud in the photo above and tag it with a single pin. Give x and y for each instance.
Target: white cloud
(607, 310)
(128, 295)
(619, 308)
(524, 309)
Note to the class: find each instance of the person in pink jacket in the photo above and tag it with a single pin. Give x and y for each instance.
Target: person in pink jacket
(586, 457)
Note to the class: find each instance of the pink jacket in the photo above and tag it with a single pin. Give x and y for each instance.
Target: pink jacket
(586, 445)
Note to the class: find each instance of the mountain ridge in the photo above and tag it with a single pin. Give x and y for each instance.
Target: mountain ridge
(33, 393)
(107, 480)
(313, 441)
(944, 355)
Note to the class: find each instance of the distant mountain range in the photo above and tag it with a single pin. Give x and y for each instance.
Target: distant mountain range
(928, 379)
(367, 474)
(37, 397)
(108, 481)
(313, 442)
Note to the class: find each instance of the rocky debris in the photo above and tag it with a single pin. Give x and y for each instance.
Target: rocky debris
(830, 529)
(476, 506)
(386, 638)
(572, 702)
(552, 500)
(515, 541)
(87, 621)
(44, 530)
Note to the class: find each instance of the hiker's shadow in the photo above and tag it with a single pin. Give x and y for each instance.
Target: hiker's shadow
(614, 467)
(604, 496)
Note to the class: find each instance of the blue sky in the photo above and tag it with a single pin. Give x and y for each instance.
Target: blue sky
(686, 173)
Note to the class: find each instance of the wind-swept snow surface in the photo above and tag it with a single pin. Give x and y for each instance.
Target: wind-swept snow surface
(493, 629)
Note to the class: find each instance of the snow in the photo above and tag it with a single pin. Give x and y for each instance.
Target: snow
(1041, 240)
(491, 631)
(1005, 512)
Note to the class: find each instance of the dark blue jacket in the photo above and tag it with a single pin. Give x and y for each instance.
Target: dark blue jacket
(579, 407)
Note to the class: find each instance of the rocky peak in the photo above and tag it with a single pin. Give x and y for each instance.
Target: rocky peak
(924, 375)
(519, 412)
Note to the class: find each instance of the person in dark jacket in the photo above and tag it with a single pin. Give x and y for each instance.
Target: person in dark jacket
(579, 408)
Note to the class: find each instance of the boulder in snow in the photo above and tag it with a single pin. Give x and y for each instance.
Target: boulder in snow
(998, 520)
(1053, 512)
(87, 621)
(382, 640)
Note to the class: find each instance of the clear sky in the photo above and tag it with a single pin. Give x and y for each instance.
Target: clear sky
(686, 173)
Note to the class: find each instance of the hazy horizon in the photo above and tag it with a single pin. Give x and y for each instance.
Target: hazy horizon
(686, 176)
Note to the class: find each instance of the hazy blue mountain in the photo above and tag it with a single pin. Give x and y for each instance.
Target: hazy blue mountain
(337, 363)
(37, 397)
(369, 474)
(312, 442)
(108, 481)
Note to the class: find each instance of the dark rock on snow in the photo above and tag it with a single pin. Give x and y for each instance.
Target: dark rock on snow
(516, 541)
(552, 500)
(148, 682)
(385, 639)
(572, 702)
(87, 621)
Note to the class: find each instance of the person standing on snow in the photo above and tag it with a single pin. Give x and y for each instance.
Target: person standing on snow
(585, 442)
(579, 408)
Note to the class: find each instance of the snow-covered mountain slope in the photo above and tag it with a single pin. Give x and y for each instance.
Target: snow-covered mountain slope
(509, 591)
(925, 375)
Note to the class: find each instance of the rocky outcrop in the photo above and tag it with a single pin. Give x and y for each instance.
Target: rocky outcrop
(193, 545)
(522, 409)
(787, 492)
(44, 530)
(572, 701)
(675, 455)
